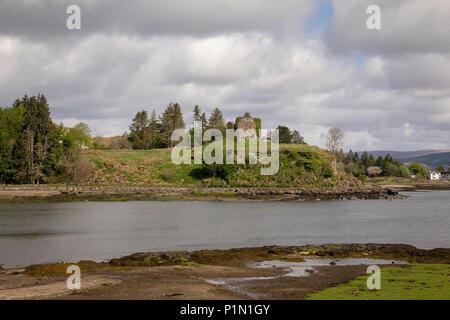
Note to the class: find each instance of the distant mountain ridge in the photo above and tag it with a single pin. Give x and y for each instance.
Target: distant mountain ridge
(432, 157)
(432, 160)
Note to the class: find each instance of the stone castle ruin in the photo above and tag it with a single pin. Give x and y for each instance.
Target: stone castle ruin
(248, 123)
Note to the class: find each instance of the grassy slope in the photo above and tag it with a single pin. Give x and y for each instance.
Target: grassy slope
(411, 282)
(300, 165)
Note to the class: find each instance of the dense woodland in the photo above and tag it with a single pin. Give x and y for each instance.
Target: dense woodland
(35, 150)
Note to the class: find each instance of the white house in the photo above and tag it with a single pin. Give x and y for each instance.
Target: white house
(434, 175)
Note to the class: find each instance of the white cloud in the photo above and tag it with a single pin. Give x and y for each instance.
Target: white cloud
(397, 98)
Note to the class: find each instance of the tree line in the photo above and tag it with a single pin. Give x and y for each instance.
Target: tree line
(152, 132)
(367, 165)
(34, 149)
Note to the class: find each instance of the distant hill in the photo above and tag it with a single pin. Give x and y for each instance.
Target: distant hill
(432, 158)
(404, 154)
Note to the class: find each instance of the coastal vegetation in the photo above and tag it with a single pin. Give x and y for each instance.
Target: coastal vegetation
(409, 282)
(300, 165)
(35, 150)
(366, 166)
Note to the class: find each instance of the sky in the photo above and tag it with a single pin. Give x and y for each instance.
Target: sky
(307, 64)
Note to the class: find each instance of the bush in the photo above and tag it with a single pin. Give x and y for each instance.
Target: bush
(362, 178)
(327, 172)
(404, 172)
(77, 171)
(224, 171)
(168, 173)
(97, 146)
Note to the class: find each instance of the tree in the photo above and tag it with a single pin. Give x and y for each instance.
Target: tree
(154, 128)
(11, 124)
(34, 145)
(416, 169)
(404, 172)
(335, 140)
(440, 169)
(77, 169)
(340, 157)
(171, 119)
(197, 113)
(288, 136)
(81, 134)
(297, 138)
(247, 115)
(216, 121)
(365, 158)
(61, 144)
(284, 134)
(33, 149)
(140, 132)
(204, 121)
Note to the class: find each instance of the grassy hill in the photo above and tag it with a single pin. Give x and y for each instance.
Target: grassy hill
(300, 165)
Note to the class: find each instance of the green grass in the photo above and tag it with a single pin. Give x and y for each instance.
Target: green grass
(186, 263)
(410, 282)
(301, 165)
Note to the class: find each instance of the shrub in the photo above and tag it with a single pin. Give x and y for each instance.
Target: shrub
(404, 172)
(362, 178)
(224, 171)
(327, 172)
(168, 173)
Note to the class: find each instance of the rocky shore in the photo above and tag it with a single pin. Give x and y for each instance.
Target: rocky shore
(50, 192)
(219, 274)
(435, 185)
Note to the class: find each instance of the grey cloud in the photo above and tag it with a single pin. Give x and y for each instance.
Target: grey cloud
(407, 26)
(235, 60)
(46, 19)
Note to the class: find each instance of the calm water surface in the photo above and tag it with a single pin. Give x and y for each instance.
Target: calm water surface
(50, 232)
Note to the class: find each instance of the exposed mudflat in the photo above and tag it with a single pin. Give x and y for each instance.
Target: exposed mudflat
(248, 273)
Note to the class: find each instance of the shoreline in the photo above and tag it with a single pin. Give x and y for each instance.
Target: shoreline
(30, 193)
(232, 274)
(234, 256)
(418, 187)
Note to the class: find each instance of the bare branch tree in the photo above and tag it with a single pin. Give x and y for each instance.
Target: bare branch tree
(335, 140)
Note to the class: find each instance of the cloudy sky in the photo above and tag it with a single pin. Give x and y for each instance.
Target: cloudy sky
(308, 64)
